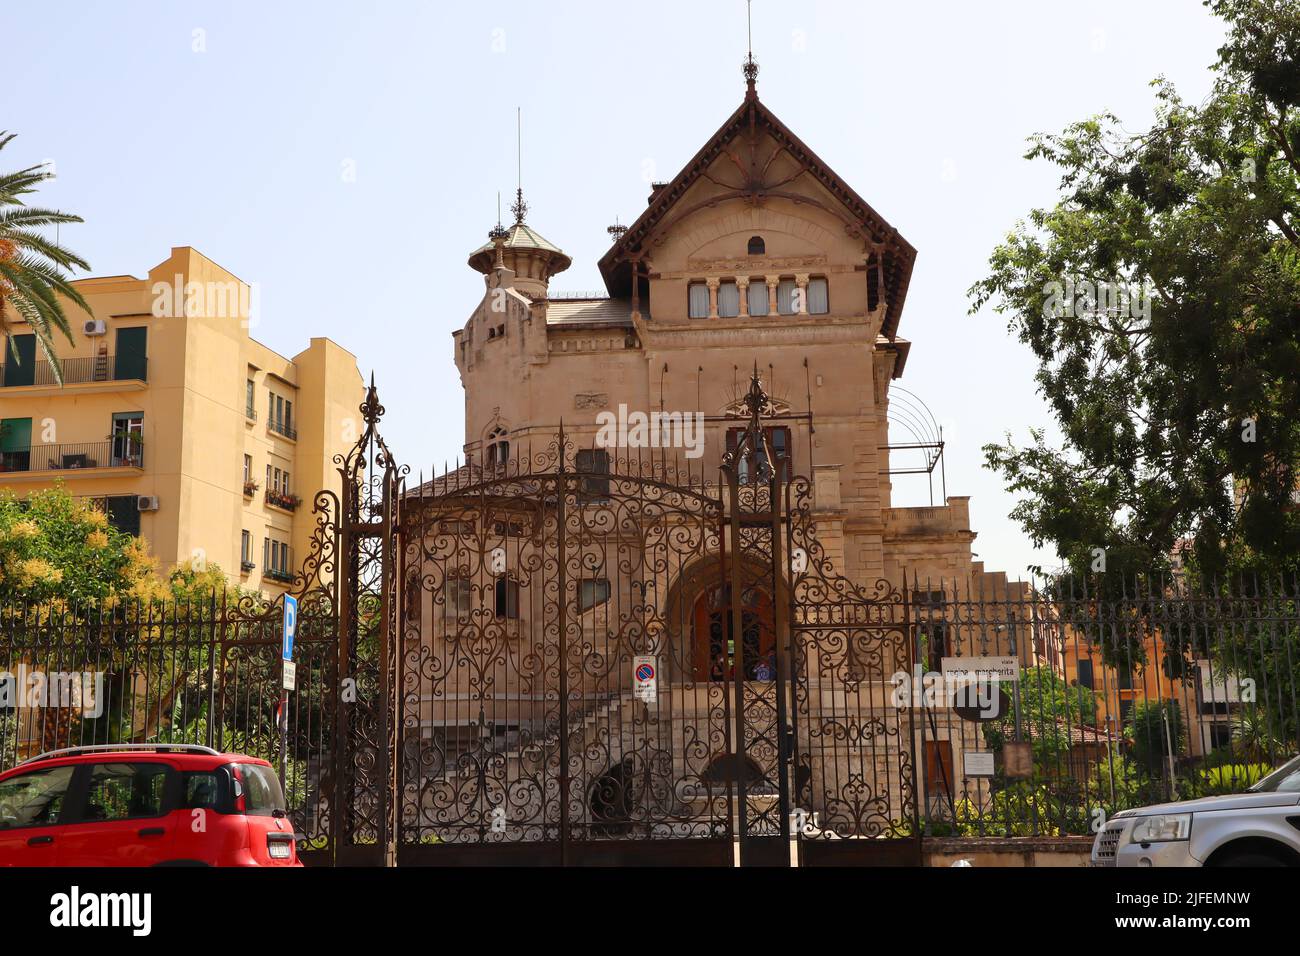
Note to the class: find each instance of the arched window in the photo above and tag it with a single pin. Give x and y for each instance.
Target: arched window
(714, 651)
(497, 449)
(757, 247)
(507, 598)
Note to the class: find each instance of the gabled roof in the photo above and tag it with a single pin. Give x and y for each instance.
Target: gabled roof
(897, 253)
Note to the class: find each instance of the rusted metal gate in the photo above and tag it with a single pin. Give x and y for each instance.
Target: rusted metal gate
(492, 619)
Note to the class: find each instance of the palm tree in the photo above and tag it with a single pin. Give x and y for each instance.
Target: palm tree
(1253, 733)
(31, 266)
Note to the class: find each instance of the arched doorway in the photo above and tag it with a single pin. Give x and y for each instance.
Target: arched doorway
(713, 645)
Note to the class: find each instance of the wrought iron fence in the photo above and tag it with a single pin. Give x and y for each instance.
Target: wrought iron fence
(1151, 692)
(205, 672)
(1148, 692)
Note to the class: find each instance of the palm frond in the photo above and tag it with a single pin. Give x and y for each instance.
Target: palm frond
(32, 216)
(32, 280)
(34, 241)
(54, 278)
(24, 181)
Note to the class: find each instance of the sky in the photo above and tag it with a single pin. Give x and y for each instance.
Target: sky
(347, 157)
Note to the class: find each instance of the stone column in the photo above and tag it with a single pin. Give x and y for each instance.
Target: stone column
(713, 297)
(772, 283)
(743, 285)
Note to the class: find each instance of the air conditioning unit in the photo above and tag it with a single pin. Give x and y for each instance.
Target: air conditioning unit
(146, 503)
(94, 327)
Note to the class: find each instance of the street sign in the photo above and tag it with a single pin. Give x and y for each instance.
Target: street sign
(982, 668)
(290, 625)
(290, 674)
(978, 763)
(645, 679)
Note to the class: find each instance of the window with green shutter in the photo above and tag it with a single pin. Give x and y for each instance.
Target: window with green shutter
(15, 444)
(20, 360)
(130, 362)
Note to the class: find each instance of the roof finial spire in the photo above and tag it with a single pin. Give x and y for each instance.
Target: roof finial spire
(520, 208)
(498, 232)
(750, 67)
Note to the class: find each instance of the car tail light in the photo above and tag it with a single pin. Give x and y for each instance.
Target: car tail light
(237, 781)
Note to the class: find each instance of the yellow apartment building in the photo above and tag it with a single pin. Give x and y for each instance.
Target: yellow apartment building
(185, 429)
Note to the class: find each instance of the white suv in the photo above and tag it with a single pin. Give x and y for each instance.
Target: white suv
(1260, 827)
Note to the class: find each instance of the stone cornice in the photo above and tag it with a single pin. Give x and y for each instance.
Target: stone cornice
(745, 331)
(752, 265)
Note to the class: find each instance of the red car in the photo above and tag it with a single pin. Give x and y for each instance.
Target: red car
(144, 805)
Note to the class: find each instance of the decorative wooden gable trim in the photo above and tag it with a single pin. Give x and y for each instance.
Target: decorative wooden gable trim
(894, 256)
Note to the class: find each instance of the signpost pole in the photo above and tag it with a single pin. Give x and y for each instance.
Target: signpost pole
(287, 682)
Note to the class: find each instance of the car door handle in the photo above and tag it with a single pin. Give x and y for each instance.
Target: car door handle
(40, 840)
(152, 831)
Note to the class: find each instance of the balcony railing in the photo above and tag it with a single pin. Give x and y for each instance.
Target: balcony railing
(282, 500)
(250, 413)
(74, 456)
(76, 371)
(283, 575)
(282, 428)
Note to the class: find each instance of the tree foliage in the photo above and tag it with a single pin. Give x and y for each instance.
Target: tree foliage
(32, 265)
(1050, 710)
(58, 551)
(1161, 298)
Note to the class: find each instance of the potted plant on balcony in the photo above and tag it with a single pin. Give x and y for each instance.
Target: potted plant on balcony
(250, 488)
(283, 499)
(126, 447)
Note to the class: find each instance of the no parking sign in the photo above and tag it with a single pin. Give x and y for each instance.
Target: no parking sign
(645, 679)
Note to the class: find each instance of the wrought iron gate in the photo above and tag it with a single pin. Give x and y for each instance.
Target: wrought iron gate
(491, 620)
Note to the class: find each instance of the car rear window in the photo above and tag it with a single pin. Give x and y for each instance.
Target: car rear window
(262, 793)
(34, 799)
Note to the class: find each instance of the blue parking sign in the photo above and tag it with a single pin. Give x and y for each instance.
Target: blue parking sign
(290, 625)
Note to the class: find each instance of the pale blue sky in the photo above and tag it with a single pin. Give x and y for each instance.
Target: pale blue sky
(239, 151)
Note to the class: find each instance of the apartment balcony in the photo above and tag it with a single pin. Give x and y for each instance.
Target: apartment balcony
(279, 575)
(283, 501)
(284, 429)
(105, 373)
(71, 460)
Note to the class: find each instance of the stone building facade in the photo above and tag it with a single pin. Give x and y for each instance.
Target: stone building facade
(755, 255)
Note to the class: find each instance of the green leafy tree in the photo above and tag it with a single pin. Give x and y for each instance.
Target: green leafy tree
(59, 550)
(32, 266)
(1161, 298)
(1155, 730)
(1256, 736)
(1049, 710)
(77, 594)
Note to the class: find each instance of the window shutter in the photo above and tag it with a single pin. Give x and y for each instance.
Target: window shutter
(130, 360)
